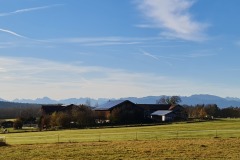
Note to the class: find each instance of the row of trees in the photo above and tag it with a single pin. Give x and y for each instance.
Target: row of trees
(212, 110)
(202, 111)
(19, 111)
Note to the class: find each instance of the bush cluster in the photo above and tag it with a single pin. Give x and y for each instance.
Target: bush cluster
(78, 117)
(212, 110)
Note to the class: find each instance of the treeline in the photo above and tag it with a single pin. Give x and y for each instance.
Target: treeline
(10, 110)
(210, 111)
(15, 112)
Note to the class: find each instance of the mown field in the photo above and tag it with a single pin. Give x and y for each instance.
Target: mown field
(161, 149)
(218, 139)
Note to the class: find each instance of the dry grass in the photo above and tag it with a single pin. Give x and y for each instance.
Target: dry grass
(174, 141)
(161, 149)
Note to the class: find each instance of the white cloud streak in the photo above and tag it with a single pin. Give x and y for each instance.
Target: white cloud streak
(28, 10)
(150, 55)
(199, 55)
(159, 57)
(12, 33)
(174, 18)
(104, 40)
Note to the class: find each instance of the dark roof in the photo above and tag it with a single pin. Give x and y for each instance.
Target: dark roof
(49, 109)
(161, 113)
(68, 107)
(154, 107)
(111, 104)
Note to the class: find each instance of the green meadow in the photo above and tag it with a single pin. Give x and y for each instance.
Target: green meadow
(218, 139)
(224, 128)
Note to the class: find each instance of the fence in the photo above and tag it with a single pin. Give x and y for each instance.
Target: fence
(124, 136)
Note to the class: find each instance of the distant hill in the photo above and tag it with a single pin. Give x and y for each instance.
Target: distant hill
(2, 99)
(46, 100)
(191, 100)
(210, 99)
(5, 104)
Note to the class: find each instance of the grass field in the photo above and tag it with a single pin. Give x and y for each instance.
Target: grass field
(224, 128)
(218, 139)
(142, 150)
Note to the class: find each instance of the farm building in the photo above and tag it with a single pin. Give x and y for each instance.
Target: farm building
(164, 112)
(120, 111)
(150, 108)
(124, 112)
(158, 112)
(50, 109)
(66, 116)
(163, 115)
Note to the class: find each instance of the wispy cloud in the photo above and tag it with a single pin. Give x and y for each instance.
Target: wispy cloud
(199, 55)
(28, 10)
(12, 33)
(174, 18)
(159, 57)
(58, 80)
(61, 80)
(104, 41)
(150, 55)
(82, 41)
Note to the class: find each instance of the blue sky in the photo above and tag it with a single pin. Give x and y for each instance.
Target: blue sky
(112, 49)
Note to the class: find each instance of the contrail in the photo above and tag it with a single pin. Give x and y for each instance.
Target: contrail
(12, 33)
(28, 10)
(150, 55)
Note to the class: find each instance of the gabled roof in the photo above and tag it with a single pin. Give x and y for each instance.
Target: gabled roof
(161, 113)
(49, 109)
(111, 104)
(68, 107)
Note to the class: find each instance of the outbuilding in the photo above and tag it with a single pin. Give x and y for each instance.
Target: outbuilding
(163, 115)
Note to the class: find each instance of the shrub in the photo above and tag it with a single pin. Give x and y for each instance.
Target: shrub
(2, 141)
(63, 120)
(18, 124)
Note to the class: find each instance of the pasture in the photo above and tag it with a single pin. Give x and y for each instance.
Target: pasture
(200, 140)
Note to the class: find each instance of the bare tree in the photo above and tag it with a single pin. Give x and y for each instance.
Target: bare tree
(169, 100)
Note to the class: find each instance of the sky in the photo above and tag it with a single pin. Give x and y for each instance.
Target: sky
(119, 48)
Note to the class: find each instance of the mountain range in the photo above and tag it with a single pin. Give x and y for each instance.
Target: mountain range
(188, 100)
